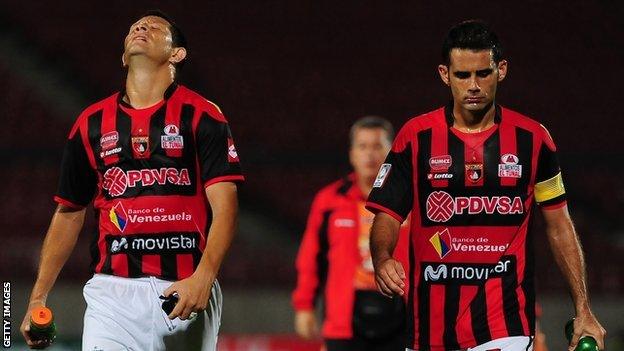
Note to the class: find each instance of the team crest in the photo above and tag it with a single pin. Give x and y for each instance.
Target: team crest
(140, 146)
(474, 172)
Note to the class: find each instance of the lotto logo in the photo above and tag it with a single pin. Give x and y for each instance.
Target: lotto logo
(116, 181)
(441, 206)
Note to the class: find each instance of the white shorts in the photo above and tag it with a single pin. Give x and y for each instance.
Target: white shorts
(512, 343)
(126, 314)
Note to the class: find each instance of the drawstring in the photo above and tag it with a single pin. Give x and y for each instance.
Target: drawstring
(168, 322)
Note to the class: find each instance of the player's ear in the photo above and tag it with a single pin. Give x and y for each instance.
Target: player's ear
(177, 55)
(123, 60)
(502, 70)
(443, 70)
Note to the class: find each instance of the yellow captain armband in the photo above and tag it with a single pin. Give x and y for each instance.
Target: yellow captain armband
(549, 189)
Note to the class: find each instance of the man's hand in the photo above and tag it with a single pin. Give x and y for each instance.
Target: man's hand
(585, 324)
(57, 246)
(193, 295)
(305, 325)
(25, 328)
(390, 277)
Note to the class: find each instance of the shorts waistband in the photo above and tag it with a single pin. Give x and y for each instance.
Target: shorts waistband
(130, 281)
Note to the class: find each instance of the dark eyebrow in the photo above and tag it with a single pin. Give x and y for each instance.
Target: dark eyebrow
(485, 71)
(461, 74)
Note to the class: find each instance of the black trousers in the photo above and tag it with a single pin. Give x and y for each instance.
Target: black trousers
(394, 342)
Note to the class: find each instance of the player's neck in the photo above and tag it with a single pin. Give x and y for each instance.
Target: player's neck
(473, 121)
(146, 84)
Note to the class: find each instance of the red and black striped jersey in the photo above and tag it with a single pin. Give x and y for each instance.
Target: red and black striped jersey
(330, 261)
(146, 170)
(470, 197)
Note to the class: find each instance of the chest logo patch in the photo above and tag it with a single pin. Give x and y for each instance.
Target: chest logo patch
(509, 167)
(116, 181)
(140, 146)
(441, 206)
(474, 172)
(172, 139)
(440, 163)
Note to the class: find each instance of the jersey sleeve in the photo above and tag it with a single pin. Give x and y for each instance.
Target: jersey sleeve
(78, 180)
(312, 261)
(218, 158)
(549, 189)
(392, 191)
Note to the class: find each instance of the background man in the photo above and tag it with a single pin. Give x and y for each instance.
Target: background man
(470, 173)
(156, 158)
(334, 256)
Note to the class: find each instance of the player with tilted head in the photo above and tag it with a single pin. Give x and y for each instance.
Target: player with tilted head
(156, 159)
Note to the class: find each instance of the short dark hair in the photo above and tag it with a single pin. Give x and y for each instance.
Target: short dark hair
(371, 122)
(178, 40)
(472, 35)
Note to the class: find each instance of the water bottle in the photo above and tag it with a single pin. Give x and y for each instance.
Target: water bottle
(42, 324)
(586, 343)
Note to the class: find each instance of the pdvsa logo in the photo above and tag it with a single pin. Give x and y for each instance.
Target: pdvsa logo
(116, 181)
(441, 206)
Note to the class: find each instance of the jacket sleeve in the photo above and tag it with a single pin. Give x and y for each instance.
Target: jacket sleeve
(311, 260)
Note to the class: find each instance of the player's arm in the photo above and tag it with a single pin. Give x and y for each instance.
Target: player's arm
(219, 169)
(57, 246)
(309, 271)
(389, 273)
(391, 200)
(566, 249)
(77, 187)
(550, 194)
(194, 291)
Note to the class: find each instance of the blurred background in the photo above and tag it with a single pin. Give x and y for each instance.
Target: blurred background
(291, 76)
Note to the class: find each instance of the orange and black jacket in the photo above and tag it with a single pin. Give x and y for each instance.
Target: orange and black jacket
(329, 255)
